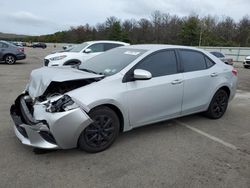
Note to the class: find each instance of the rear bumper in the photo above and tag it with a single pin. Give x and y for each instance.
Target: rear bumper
(233, 88)
(246, 62)
(46, 130)
(20, 56)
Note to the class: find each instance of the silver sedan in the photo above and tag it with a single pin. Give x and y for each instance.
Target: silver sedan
(117, 91)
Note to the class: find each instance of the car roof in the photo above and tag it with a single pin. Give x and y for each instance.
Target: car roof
(3, 41)
(154, 47)
(216, 52)
(107, 41)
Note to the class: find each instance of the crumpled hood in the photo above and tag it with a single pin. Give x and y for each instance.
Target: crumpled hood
(41, 78)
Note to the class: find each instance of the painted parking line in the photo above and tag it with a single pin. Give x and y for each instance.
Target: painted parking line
(246, 134)
(211, 137)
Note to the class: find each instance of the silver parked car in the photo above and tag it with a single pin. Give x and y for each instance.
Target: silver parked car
(124, 88)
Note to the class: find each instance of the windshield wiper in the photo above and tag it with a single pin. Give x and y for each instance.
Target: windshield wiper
(91, 71)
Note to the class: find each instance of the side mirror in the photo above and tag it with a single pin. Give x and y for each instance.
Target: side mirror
(140, 74)
(87, 50)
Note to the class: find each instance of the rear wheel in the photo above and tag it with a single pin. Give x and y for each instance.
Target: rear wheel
(218, 105)
(10, 59)
(101, 134)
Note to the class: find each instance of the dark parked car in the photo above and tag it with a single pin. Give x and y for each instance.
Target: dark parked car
(17, 43)
(9, 53)
(223, 58)
(246, 62)
(39, 45)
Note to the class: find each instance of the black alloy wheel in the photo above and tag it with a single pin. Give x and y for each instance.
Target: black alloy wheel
(101, 134)
(218, 105)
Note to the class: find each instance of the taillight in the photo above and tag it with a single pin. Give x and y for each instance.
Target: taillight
(20, 49)
(235, 72)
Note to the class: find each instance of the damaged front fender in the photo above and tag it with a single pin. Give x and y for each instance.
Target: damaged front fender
(43, 129)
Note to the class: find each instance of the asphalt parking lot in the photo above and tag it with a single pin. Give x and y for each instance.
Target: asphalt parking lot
(187, 152)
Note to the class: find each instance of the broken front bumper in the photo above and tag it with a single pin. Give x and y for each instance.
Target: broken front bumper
(38, 128)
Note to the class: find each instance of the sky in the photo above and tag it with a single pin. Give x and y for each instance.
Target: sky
(38, 17)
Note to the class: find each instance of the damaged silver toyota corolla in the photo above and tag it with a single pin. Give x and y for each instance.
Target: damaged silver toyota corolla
(124, 88)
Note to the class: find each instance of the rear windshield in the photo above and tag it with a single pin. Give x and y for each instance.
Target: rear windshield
(217, 54)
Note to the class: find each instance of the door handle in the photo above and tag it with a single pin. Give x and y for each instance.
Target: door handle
(177, 81)
(214, 74)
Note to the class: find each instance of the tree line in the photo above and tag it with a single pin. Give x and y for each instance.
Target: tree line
(160, 28)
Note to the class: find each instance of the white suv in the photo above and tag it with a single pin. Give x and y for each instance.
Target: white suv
(80, 53)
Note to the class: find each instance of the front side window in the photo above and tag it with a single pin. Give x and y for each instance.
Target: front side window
(96, 48)
(160, 64)
(192, 60)
(79, 47)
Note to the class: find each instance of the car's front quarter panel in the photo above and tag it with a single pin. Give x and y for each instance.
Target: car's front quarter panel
(66, 126)
(108, 91)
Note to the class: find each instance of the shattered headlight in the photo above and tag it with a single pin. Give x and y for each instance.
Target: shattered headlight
(64, 103)
(57, 58)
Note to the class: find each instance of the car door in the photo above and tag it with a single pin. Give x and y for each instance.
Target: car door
(160, 97)
(200, 77)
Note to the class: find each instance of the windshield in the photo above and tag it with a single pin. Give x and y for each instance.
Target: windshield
(217, 54)
(112, 61)
(79, 47)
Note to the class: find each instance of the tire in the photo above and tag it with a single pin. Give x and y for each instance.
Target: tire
(218, 105)
(102, 133)
(10, 59)
(246, 67)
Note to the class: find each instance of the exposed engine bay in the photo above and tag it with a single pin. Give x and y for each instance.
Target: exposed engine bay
(59, 88)
(50, 82)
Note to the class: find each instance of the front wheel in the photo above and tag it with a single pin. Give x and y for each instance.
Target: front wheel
(101, 134)
(10, 59)
(218, 105)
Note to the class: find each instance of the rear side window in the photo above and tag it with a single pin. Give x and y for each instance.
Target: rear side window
(192, 60)
(3, 45)
(109, 46)
(209, 62)
(160, 64)
(97, 48)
